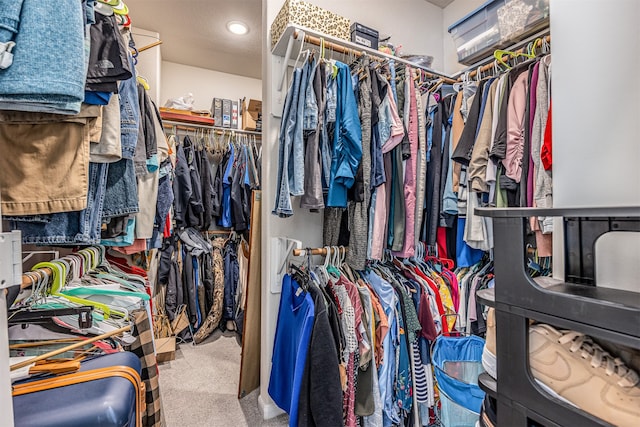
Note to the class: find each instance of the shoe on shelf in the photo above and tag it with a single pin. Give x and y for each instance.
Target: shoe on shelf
(488, 413)
(571, 367)
(489, 361)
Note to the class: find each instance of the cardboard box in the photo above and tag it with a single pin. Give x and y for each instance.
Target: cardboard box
(165, 349)
(364, 36)
(252, 115)
(308, 15)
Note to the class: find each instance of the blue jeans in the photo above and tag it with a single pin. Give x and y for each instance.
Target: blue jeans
(69, 228)
(296, 166)
(121, 197)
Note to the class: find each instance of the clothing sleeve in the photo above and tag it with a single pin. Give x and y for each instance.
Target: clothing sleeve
(515, 128)
(545, 154)
(462, 153)
(480, 155)
(350, 136)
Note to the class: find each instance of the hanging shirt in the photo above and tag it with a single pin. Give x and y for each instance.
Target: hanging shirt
(387, 371)
(347, 142)
(225, 218)
(291, 344)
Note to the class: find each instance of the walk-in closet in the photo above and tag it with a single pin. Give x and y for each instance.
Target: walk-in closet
(355, 213)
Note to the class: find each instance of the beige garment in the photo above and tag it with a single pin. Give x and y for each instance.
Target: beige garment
(477, 170)
(147, 200)
(96, 128)
(44, 164)
(108, 148)
(457, 127)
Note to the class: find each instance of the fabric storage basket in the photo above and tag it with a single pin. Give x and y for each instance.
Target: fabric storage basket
(457, 363)
(307, 15)
(454, 415)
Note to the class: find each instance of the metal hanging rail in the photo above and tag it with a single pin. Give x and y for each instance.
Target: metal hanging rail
(295, 33)
(538, 39)
(190, 126)
(378, 55)
(316, 251)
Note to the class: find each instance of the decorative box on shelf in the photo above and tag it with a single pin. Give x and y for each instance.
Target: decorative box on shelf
(310, 16)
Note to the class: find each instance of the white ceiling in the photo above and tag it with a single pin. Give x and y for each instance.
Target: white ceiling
(194, 32)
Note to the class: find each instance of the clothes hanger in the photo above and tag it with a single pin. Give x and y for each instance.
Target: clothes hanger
(59, 275)
(143, 81)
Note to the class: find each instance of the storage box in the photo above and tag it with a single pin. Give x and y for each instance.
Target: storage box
(226, 114)
(307, 15)
(234, 114)
(216, 111)
(364, 36)
(165, 349)
(252, 115)
(495, 25)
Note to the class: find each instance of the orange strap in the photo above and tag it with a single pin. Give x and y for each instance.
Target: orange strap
(85, 376)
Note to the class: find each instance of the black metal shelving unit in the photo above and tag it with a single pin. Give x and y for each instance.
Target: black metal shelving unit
(577, 304)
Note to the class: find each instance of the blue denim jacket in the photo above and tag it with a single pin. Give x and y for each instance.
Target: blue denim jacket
(347, 142)
(283, 205)
(48, 71)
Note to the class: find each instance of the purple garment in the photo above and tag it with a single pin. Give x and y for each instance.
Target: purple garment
(532, 113)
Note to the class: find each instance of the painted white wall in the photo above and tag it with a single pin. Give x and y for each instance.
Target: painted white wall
(452, 13)
(418, 26)
(596, 126)
(149, 61)
(178, 80)
(414, 24)
(596, 131)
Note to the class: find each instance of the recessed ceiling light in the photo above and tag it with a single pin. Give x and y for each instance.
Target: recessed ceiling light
(237, 27)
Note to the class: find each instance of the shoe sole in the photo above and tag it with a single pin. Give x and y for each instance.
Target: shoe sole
(490, 363)
(550, 391)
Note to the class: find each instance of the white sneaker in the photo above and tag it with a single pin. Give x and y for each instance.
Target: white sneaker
(573, 367)
(489, 361)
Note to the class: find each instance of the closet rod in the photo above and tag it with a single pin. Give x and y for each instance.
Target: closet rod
(381, 56)
(315, 251)
(26, 282)
(149, 46)
(189, 126)
(538, 42)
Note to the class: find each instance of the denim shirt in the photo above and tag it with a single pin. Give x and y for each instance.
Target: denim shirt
(347, 143)
(310, 121)
(387, 369)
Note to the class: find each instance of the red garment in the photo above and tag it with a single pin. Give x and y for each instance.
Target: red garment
(436, 291)
(546, 151)
(441, 239)
(121, 263)
(167, 227)
(428, 331)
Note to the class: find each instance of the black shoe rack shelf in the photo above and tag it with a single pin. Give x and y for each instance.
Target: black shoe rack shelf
(576, 304)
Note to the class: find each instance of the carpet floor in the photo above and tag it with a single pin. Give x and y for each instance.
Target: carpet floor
(200, 387)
